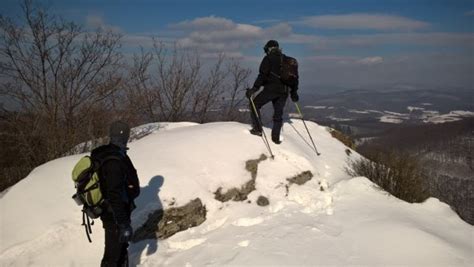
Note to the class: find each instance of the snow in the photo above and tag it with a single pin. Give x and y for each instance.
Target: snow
(411, 109)
(394, 113)
(338, 119)
(316, 107)
(427, 116)
(359, 111)
(374, 111)
(455, 115)
(330, 220)
(391, 119)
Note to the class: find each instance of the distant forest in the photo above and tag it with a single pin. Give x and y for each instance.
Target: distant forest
(443, 152)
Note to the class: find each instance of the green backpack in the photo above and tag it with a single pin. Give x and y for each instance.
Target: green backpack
(86, 181)
(88, 194)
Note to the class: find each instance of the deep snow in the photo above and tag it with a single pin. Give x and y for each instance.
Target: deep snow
(331, 220)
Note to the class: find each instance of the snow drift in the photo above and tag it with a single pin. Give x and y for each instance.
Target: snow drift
(331, 219)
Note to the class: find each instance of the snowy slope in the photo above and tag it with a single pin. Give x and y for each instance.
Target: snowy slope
(330, 220)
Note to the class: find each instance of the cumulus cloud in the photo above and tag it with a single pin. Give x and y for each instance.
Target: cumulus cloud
(363, 21)
(205, 24)
(370, 60)
(469, 13)
(213, 34)
(97, 22)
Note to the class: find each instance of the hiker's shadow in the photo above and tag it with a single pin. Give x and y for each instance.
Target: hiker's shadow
(143, 236)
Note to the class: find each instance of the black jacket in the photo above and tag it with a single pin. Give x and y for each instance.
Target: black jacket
(118, 182)
(269, 72)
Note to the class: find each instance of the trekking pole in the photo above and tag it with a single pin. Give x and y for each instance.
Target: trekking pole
(301, 114)
(264, 136)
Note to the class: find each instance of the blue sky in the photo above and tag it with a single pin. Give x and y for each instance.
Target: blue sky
(342, 44)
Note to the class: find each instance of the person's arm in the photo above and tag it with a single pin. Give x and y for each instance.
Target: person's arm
(133, 182)
(263, 73)
(294, 92)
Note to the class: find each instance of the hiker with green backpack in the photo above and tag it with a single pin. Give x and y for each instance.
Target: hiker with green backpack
(278, 74)
(107, 184)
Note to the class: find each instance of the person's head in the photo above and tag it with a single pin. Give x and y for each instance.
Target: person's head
(119, 133)
(270, 45)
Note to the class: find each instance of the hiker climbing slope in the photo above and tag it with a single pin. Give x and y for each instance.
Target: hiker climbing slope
(278, 74)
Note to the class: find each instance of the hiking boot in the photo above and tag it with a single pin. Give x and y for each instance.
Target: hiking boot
(276, 140)
(256, 132)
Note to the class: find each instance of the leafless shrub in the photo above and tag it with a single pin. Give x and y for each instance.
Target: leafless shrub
(397, 173)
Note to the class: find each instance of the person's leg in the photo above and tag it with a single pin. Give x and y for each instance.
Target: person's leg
(278, 107)
(113, 249)
(260, 100)
(123, 261)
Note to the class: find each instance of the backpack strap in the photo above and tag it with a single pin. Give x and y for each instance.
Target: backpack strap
(87, 225)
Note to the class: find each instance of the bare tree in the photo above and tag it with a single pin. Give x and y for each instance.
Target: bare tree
(171, 84)
(142, 94)
(211, 90)
(177, 77)
(238, 82)
(57, 74)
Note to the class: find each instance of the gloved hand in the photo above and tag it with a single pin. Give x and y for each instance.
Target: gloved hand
(294, 97)
(250, 91)
(125, 233)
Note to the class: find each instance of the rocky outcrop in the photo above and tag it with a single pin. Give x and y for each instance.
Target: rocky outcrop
(263, 201)
(301, 178)
(163, 224)
(240, 194)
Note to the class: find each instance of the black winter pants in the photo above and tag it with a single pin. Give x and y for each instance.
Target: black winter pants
(115, 253)
(278, 100)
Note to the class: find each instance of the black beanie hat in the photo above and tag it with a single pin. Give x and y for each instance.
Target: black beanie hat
(119, 133)
(271, 43)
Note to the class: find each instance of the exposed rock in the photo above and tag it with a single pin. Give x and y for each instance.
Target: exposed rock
(262, 201)
(241, 194)
(301, 178)
(252, 165)
(161, 225)
(348, 152)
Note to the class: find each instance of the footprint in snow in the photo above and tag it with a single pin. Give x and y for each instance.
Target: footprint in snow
(244, 243)
(215, 225)
(245, 222)
(186, 244)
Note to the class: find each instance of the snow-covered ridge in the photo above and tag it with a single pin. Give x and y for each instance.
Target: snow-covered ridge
(330, 220)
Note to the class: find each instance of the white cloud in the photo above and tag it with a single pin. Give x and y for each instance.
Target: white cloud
(363, 21)
(278, 31)
(432, 70)
(345, 60)
(205, 24)
(215, 34)
(370, 60)
(469, 13)
(398, 39)
(97, 22)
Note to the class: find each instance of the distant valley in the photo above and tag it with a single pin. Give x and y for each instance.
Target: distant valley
(369, 113)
